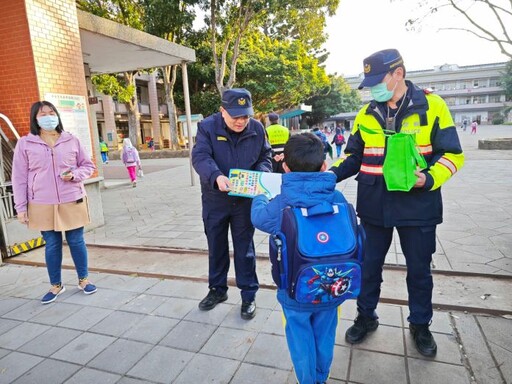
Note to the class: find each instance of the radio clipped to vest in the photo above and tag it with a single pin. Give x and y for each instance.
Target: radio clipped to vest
(401, 161)
(317, 254)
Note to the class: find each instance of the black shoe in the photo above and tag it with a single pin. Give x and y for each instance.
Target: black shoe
(213, 298)
(425, 343)
(362, 325)
(248, 310)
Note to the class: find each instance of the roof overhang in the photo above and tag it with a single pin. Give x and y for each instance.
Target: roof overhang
(110, 47)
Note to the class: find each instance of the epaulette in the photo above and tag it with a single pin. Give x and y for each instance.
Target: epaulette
(427, 91)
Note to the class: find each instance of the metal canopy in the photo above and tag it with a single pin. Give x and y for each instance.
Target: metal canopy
(110, 47)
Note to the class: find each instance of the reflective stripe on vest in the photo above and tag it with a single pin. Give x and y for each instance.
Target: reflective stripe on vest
(371, 169)
(448, 164)
(373, 151)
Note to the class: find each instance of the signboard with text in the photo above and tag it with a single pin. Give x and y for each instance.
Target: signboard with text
(75, 118)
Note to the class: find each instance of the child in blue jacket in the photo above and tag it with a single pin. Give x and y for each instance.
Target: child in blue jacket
(310, 328)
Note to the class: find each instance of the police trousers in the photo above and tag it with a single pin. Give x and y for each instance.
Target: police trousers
(222, 213)
(418, 244)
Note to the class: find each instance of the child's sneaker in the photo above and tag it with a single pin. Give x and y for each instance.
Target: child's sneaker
(87, 288)
(50, 296)
(134, 184)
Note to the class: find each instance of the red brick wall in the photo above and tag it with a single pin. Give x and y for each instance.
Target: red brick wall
(56, 46)
(40, 53)
(18, 82)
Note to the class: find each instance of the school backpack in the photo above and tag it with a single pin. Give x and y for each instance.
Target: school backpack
(339, 139)
(130, 156)
(317, 254)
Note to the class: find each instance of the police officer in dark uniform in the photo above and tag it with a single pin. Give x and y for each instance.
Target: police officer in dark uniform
(399, 106)
(278, 135)
(229, 139)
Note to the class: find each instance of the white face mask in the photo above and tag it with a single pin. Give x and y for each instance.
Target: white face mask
(48, 123)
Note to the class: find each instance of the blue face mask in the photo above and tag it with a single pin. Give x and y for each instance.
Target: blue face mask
(48, 123)
(381, 93)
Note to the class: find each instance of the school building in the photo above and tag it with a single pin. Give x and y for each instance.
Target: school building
(472, 92)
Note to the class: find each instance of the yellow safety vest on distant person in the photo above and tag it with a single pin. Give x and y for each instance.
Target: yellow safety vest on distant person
(277, 136)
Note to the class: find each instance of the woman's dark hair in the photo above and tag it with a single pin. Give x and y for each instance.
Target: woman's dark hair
(304, 153)
(34, 110)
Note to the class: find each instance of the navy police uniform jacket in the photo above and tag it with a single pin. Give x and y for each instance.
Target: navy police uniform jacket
(215, 152)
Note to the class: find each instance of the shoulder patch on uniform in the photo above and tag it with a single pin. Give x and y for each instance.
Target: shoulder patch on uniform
(428, 91)
(221, 138)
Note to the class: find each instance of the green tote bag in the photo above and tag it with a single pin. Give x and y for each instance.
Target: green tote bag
(401, 161)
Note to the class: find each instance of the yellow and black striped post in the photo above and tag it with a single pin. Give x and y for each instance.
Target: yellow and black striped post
(16, 249)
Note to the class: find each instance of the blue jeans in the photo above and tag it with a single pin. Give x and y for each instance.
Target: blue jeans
(53, 253)
(104, 157)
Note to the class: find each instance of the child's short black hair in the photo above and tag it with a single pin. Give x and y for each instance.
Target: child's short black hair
(304, 153)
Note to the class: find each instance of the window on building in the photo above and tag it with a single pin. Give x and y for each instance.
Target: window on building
(495, 99)
(450, 100)
(495, 82)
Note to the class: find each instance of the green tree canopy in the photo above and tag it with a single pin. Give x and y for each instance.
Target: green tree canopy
(338, 99)
(127, 12)
(229, 22)
(279, 74)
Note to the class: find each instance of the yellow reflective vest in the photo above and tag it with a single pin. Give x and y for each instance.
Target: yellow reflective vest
(428, 118)
(277, 137)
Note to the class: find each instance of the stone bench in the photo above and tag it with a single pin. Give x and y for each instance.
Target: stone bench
(496, 143)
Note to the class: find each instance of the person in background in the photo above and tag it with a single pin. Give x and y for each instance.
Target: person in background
(104, 151)
(399, 106)
(229, 139)
(49, 167)
(277, 136)
(338, 140)
(310, 328)
(474, 126)
(323, 138)
(151, 144)
(131, 160)
(464, 124)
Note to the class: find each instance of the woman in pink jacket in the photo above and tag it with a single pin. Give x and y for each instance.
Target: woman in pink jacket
(49, 168)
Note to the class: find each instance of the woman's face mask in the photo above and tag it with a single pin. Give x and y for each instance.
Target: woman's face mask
(48, 123)
(381, 93)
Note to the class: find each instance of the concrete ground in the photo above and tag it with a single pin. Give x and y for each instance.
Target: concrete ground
(143, 324)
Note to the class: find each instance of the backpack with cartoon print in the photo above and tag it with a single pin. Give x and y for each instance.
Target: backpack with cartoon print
(317, 254)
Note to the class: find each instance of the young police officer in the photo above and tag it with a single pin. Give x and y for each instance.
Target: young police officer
(399, 106)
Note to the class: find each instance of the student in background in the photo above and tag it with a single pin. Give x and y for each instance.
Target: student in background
(131, 160)
(474, 126)
(104, 151)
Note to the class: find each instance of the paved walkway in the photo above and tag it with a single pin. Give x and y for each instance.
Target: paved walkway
(149, 330)
(476, 236)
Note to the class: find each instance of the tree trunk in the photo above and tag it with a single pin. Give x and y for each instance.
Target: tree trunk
(132, 107)
(169, 82)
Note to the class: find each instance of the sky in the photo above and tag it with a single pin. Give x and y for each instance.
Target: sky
(362, 27)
